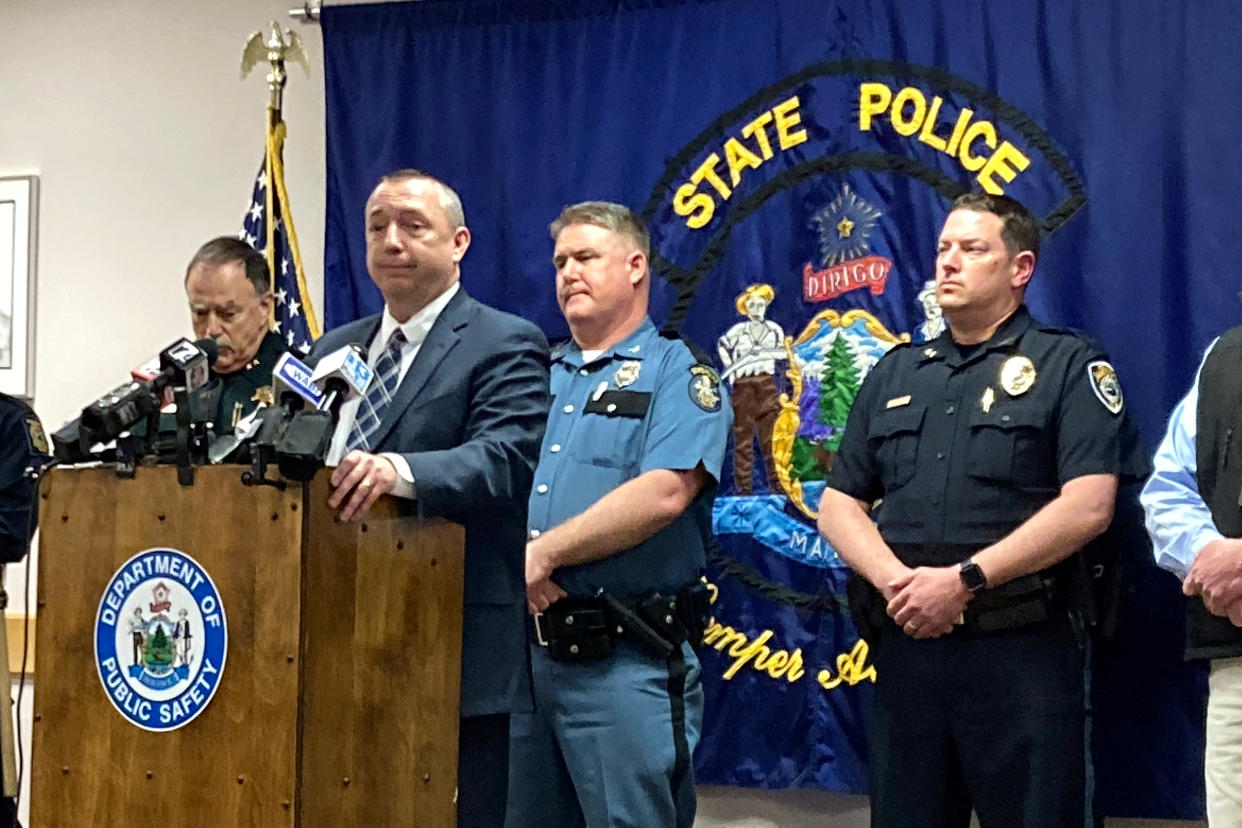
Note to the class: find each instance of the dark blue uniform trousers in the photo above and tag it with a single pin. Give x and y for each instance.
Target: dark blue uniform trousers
(482, 771)
(991, 721)
(609, 744)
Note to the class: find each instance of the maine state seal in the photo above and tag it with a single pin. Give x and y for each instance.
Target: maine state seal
(160, 639)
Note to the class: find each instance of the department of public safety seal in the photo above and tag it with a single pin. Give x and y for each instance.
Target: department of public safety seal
(160, 639)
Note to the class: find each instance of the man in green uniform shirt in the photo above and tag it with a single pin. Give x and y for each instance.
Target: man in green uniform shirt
(229, 289)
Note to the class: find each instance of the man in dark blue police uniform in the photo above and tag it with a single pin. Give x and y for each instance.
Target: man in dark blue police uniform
(618, 516)
(987, 458)
(23, 448)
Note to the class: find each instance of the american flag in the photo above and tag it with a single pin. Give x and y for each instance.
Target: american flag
(294, 318)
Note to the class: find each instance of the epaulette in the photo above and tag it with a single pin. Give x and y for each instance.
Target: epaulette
(1056, 329)
(18, 403)
(1076, 333)
(899, 346)
(698, 353)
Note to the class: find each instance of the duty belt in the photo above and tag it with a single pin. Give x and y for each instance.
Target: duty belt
(587, 629)
(1026, 600)
(1022, 601)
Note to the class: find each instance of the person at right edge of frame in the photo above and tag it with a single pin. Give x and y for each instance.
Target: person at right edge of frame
(1194, 517)
(994, 452)
(617, 531)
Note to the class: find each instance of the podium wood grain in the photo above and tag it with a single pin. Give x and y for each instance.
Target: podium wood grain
(338, 702)
(235, 764)
(381, 661)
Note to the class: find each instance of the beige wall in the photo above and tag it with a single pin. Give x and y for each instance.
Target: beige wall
(146, 144)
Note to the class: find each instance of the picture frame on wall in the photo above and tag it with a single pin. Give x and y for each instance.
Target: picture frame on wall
(19, 201)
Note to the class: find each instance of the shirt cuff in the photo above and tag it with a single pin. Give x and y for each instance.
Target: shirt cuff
(405, 478)
(1202, 538)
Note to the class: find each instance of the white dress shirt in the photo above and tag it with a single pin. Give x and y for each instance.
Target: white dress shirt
(415, 329)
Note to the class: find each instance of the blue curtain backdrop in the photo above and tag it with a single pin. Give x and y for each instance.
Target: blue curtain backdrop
(806, 152)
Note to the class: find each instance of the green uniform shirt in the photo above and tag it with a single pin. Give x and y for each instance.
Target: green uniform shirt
(242, 390)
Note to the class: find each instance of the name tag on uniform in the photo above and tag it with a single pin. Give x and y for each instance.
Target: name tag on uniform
(898, 402)
(620, 403)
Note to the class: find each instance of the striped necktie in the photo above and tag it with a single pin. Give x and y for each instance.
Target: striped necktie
(375, 403)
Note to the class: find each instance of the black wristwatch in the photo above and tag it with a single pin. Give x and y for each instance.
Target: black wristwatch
(972, 576)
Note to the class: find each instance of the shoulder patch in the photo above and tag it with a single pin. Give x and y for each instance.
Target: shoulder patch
(36, 436)
(1105, 384)
(704, 387)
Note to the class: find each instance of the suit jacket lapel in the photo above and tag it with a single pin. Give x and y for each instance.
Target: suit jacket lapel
(442, 338)
(372, 331)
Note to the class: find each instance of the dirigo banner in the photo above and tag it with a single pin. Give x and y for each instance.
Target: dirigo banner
(794, 160)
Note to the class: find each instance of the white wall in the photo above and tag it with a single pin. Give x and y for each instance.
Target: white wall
(146, 145)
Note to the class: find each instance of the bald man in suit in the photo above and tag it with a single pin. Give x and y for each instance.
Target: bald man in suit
(452, 421)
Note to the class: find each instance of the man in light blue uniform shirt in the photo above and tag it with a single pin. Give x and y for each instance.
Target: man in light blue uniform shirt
(1194, 516)
(619, 516)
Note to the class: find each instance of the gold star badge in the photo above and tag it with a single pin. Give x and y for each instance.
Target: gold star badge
(844, 228)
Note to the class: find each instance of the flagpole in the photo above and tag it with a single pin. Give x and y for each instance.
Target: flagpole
(269, 249)
(274, 51)
(309, 13)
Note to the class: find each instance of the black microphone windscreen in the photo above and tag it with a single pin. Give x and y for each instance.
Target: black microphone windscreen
(209, 347)
(205, 402)
(303, 445)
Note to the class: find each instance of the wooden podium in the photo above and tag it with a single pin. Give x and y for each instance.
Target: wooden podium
(338, 702)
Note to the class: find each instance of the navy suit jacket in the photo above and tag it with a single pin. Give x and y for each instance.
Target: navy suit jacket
(469, 419)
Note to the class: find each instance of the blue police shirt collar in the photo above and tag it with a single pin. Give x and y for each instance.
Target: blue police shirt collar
(634, 346)
(1009, 332)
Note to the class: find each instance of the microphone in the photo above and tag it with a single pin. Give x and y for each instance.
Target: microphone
(291, 380)
(184, 364)
(342, 374)
(263, 428)
(116, 412)
(68, 445)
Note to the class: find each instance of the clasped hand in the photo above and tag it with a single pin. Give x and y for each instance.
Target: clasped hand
(927, 601)
(1216, 577)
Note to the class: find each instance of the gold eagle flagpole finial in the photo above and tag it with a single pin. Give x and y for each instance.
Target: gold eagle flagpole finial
(275, 51)
(278, 218)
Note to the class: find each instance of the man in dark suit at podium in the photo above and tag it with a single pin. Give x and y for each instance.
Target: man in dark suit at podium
(453, 420)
